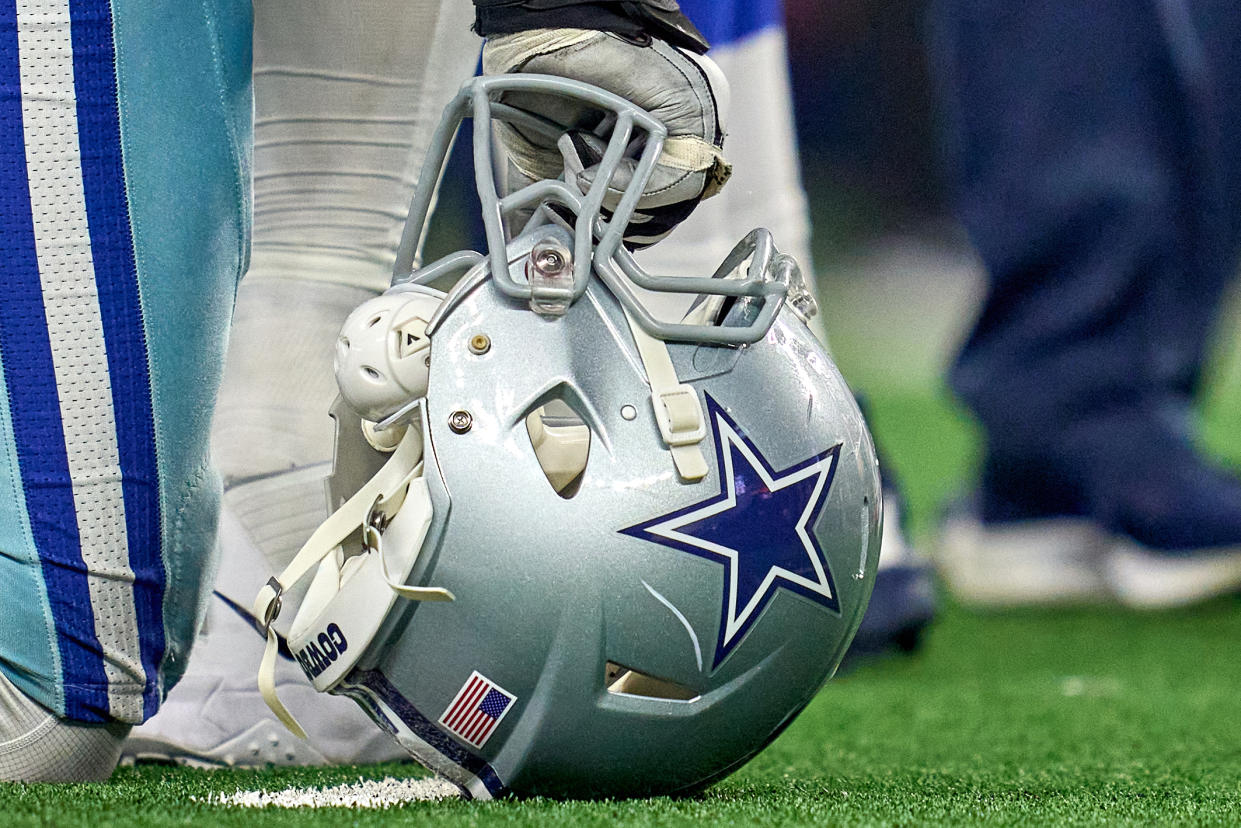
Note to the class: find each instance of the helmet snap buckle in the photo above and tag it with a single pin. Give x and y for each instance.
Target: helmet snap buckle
(376, 523)
(274, 605)
(679, 415)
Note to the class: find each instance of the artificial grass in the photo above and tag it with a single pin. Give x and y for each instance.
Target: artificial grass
(1082, 717)
(1069, 717)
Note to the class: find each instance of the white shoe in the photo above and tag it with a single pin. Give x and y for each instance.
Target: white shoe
(36, 746)
(215, 715)
(1145, 579)
(1073, 561)
(1035, 562)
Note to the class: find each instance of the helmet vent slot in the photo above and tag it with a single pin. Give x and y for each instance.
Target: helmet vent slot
(561, 441)
(623, 681)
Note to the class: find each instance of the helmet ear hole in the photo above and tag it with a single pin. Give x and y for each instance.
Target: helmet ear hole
(622, 681)
(561, 440)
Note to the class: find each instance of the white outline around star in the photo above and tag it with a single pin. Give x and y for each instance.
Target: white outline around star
(737, 621)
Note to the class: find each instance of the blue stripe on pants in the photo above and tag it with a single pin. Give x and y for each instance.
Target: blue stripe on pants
(147, 149)
(35, 407)
(116, 278)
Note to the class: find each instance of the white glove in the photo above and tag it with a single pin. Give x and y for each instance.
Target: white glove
(686, 92)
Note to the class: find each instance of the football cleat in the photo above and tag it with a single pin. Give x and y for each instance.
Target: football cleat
(215, 716)
(609, 555)
(1122, 507)
(1145, 578)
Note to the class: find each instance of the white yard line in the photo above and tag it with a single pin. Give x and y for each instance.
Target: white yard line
(382, 794)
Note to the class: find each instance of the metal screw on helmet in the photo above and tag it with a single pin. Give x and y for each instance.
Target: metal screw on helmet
(550, 258)
(460, 421)
(480, 344)
(550, 271)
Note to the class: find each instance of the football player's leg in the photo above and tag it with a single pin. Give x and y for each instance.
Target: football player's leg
(346, 96)
(123, 221)
(1179, 537)
(1067, 226)
(1087, 178)
(1204, 58)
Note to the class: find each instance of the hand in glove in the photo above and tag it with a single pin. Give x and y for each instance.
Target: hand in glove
(686, 92)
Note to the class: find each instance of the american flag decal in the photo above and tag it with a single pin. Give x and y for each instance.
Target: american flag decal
(479, 706)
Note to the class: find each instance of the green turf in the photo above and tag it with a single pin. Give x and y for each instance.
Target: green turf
(1083, 717)
(1079, 717)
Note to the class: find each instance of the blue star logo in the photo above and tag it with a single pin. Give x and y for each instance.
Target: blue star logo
(760, 527)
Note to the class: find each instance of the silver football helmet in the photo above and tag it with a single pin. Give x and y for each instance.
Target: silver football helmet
(605, 554)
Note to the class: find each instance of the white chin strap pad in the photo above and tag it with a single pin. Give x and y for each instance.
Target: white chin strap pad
(376, 506)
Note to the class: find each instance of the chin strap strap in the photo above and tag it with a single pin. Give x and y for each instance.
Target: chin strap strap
(677, 408)
(369, 509)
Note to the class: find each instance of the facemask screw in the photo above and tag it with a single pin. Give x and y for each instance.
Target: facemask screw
(460, 421)
(550, 258)
(480, 344)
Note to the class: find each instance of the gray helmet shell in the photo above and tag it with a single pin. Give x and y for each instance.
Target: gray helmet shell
(636, 634)
(550, 590)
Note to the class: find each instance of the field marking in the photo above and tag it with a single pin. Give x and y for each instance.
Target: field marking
(379, 794)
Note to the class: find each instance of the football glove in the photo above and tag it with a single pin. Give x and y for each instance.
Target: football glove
(685, 91)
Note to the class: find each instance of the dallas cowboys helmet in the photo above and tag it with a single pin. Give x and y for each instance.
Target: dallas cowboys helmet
(610, 554)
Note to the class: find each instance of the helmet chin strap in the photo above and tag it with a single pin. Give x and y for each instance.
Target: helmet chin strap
(678, 411)
(380, 498)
